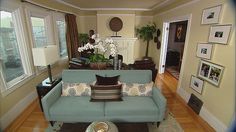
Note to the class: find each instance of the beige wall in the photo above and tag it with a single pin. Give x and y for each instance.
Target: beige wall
(57, 5)
(217, 100)
(86, 23)
(103, 24)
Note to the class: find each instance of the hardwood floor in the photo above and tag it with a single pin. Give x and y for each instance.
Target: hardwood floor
(33, 120)
(188, 120)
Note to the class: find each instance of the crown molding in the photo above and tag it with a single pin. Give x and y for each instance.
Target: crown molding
(177, 7)
(46, 7)
(159, 5)
(115, 14)
(104, 9)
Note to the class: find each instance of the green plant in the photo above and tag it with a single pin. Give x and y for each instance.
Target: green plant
(146, 33)
(97, 58)
(83, 38)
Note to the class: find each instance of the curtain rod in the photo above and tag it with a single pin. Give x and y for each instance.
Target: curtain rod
(45, 7)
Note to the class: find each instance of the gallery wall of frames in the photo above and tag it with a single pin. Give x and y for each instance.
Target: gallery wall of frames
(218, 34)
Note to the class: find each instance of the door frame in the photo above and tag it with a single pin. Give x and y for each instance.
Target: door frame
(165, 36)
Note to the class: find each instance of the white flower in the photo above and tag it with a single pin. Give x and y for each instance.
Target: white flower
(101, 46)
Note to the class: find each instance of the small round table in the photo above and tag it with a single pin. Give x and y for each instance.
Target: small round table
(112, 126)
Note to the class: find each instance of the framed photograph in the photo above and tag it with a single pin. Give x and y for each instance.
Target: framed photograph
(196, 84)
(210, 72)
(204, 50)
(219, 34)
(211, 15)
(180, 31)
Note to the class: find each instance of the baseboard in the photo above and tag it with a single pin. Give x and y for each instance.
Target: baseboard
(212, 120)
(205, 114)
(16, 110)
(185, 95)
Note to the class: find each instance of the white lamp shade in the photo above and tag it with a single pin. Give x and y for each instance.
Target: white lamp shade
(44, 56)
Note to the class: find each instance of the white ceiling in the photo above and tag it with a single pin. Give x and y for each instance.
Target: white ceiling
(136, 5)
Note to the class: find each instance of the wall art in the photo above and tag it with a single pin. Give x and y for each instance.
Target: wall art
(219, 34)
(211, 15)
(204, 50)
(196, 84)
(210, 72)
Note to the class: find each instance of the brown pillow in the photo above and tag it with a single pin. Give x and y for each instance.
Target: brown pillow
(107, 80)
(106, 93)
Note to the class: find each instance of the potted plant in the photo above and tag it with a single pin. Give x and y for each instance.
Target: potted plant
(83, 38)
(97, 60)
(146, 33)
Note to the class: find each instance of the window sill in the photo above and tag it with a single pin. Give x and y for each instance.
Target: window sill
(17, 85)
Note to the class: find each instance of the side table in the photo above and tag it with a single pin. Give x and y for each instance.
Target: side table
(43, 89)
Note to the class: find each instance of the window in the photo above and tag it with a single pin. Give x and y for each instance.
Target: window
(39, 31)
(61, 37)
(40, 26)
(39, 22)
(13, 63)
(60, 33)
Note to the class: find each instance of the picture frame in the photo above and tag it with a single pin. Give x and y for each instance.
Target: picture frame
(210, 72)
(180, 31)
(219, 34)
(196, 84)
(204, 50)
(211, 15)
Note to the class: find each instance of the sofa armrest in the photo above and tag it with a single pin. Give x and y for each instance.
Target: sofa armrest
(51, 98)
(160, 101)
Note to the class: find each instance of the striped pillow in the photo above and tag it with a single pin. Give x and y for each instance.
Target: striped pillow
(106, 92)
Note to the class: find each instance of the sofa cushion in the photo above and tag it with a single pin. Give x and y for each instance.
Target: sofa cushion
(107, 80)
(106, 92)
(136, 89)
(132, 106)
(72, 107)
(76, 89)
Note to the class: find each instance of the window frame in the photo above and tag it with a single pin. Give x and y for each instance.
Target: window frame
(34, 11)
(58, 17)
(22, 43)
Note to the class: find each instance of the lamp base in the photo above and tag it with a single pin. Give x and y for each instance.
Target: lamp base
(47, 82)
(50, 82)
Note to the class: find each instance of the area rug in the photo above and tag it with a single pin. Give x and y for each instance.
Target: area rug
(168, 125)
(173, 71)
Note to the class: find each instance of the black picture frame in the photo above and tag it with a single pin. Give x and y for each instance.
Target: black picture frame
(180, 31)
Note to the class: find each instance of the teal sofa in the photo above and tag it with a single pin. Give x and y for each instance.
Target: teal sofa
(80, 109)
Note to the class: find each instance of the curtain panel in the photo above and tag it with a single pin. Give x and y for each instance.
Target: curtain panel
(72, 39)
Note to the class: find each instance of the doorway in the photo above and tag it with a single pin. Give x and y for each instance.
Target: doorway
(176, 32)
(175, 47)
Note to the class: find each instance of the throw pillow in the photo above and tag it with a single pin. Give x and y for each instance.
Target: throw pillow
(136, 89)
(107, 80)
(76, 89)
(106, 92)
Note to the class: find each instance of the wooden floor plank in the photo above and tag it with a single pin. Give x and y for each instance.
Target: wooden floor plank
(33, 120)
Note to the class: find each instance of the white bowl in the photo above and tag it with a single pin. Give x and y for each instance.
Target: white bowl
(101, 127)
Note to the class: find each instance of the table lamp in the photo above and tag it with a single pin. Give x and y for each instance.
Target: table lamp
(45, 56)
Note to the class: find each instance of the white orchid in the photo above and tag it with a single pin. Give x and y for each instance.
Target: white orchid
(100, 46)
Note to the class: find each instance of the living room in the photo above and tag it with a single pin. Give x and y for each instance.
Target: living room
(218, 100)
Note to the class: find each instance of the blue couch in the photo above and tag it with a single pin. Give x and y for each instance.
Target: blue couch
(80, 109)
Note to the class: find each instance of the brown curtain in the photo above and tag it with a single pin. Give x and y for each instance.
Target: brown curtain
(72, 39)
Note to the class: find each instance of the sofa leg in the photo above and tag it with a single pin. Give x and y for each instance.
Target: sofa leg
(158, 124)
